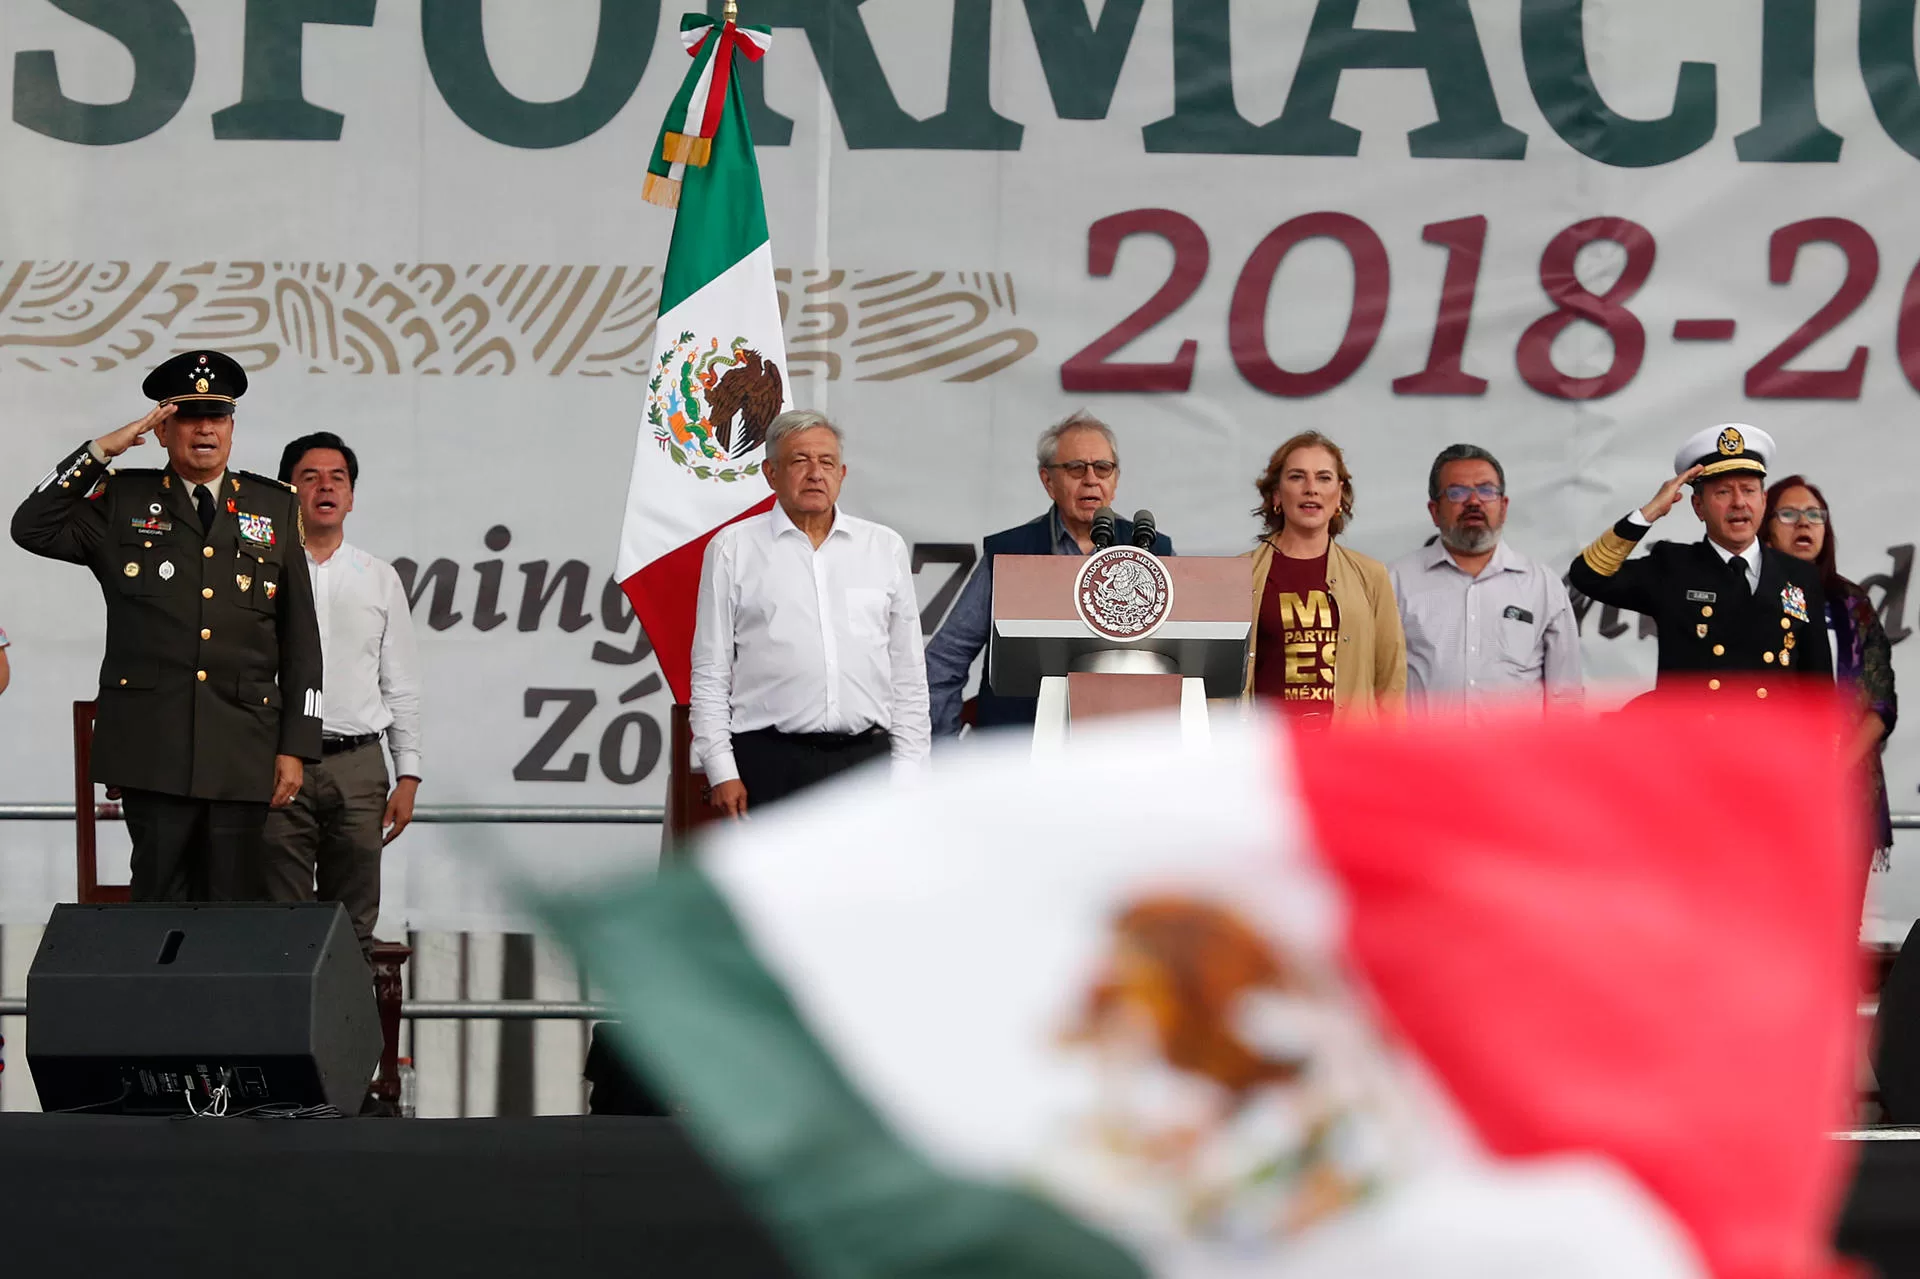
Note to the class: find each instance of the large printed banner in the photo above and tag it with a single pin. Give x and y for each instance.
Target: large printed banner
(1570, 232)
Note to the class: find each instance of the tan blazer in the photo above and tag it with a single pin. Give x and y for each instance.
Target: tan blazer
(1370, 666)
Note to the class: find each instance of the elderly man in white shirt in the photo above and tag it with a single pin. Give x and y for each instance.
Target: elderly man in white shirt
(326, 845)
(806, 647)
(1485, 624)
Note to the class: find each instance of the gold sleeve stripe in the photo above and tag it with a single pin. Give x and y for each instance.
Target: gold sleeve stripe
(1607, 554)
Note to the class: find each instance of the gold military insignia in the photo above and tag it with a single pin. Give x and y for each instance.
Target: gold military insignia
(132, 569)
(243, 581)
(1790, 641)
(1786, 656)
(201, 386)
(1731, 443)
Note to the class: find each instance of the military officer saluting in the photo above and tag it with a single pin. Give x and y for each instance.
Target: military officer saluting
(1734, 614)
(210, 689)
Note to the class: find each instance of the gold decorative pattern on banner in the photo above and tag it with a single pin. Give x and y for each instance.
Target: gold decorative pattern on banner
(435, 318)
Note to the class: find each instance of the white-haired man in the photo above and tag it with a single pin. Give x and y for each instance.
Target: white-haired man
(806, 645)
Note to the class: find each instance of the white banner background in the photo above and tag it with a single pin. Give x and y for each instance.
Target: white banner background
(543, 451)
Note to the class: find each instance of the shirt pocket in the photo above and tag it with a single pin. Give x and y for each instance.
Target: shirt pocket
(149, 565)
(261, 695)
(867, 612)
(257, 579)
(1519, 641)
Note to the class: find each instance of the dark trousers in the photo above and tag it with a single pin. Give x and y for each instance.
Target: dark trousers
(325, 845)
(194, 850)
(774, 765)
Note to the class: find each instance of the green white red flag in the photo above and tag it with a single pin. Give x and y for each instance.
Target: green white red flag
(718, 377)
(1542, 998)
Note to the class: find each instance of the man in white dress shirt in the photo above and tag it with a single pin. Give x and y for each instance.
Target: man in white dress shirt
(326, 845)
(1484, 622)
(806, 648)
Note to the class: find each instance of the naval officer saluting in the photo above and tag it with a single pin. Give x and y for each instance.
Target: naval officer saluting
(1735, 615)
(210, 688)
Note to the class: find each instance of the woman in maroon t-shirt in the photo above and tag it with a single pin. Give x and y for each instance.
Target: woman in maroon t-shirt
(1328, 640)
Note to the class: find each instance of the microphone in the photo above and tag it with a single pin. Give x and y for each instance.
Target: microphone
(1103, 528)
(1144, 530)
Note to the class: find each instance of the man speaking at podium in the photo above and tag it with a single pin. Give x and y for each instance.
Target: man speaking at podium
(1080, 469)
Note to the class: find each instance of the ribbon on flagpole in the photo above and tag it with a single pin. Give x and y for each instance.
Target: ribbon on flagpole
(686, 137)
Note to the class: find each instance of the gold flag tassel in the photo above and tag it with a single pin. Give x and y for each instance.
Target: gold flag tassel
(664, 192)
(686, 148)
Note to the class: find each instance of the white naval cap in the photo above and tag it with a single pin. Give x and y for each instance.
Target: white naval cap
(1731, 446)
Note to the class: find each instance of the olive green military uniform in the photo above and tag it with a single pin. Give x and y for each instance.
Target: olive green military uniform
(212, 663)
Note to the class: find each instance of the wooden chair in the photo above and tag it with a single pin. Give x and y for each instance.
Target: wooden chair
(88, 811)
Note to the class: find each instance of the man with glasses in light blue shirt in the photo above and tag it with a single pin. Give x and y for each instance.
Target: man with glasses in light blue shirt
(1080, 469)
(1484, 623)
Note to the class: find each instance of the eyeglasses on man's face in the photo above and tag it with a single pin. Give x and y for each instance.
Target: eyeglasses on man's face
(1797, 515)
(1078, 470)
(1461, 492)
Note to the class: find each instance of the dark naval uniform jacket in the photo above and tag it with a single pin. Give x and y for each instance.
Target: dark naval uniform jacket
(213, 652)
(1713, 635)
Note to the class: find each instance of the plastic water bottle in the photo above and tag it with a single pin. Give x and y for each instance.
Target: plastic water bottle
(409, 1089)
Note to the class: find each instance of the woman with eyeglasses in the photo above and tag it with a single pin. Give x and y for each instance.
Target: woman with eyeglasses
(1797, 522)
(1327, 644)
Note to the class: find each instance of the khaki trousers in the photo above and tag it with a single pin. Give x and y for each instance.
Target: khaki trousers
(325, 846)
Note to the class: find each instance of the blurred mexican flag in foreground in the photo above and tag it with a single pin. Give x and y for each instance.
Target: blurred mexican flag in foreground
(1565, 998)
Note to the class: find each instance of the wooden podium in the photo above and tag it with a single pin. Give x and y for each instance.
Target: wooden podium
(1050, 639)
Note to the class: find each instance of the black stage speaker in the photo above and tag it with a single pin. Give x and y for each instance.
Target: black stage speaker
(1896, 1063)
(149, 1009)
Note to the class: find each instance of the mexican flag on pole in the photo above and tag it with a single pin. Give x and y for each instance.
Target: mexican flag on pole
(719, 370)
(1545, 998)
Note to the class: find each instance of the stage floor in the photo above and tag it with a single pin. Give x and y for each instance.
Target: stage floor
(93, 1196)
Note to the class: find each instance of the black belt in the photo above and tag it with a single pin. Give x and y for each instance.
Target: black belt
(334, 745)
(821, 741)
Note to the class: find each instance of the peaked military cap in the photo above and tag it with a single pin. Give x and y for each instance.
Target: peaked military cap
(1723, 449)
(198, 383)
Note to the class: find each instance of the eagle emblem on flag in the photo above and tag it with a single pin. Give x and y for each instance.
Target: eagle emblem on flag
(710, 406)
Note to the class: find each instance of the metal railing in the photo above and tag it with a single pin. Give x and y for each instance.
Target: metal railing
(557, 814)
(454, 1009)
(447, 814)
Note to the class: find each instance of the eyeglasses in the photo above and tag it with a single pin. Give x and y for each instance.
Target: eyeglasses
(1078, 470)
(1794, 515)
(1460, 492)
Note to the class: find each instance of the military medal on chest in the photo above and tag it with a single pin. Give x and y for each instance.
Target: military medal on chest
(1794, 601)
(255, 530)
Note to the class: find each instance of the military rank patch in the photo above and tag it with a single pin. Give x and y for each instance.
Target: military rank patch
(256, 529)
(1794, 601)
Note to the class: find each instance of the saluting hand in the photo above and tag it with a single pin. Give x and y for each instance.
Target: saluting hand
(1669, 494)
(117, 442)
(288, 772)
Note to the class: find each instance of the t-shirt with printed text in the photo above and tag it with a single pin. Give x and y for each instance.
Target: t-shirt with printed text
(1299, 630)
